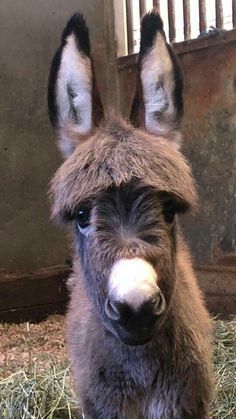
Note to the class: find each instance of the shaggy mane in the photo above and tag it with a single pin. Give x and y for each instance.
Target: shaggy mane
(115, 154)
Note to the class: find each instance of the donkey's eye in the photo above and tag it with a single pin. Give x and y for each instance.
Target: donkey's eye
(82, 218)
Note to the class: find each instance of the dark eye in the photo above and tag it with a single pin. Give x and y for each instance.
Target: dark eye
(82, 217)
(169, 211)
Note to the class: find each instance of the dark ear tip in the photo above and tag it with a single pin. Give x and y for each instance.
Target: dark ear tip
(152, 20)
(77, 25)
(150, 25)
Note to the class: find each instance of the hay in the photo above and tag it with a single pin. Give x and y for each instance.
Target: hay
(38, 395)
(224, 405)
(43, 389)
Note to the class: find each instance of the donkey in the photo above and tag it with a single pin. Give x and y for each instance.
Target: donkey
(139, 335)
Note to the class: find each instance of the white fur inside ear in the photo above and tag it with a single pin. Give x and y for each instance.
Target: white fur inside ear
(158, 84)
(74, 77)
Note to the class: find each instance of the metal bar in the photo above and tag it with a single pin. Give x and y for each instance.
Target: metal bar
(129, 18)
(187, 21)
(219, 14)
(156, 4)
(202, 15)
(171, 19)
(142, 7)
(234, 13)
(120, 27)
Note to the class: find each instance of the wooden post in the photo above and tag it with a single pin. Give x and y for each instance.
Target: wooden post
(219, 14)
(121, 27)
(234, 13)
(171, 18)
(187, 22)
(202, 15)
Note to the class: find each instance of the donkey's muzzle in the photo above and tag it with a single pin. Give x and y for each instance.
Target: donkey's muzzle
(135, 326)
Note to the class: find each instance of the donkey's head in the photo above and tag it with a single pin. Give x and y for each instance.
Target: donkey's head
(121, 187)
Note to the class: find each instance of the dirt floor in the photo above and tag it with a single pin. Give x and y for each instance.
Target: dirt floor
(27, 343)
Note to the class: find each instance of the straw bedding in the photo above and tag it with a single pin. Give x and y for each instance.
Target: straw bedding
(35, 380)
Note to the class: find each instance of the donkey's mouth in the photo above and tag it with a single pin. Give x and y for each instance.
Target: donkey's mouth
(134, 339)
(135, 327)
(135, 342)
(128, 340)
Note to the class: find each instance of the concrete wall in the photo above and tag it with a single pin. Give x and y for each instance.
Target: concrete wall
(29, 34)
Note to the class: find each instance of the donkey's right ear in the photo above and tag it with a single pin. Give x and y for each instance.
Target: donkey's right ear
(73, 101)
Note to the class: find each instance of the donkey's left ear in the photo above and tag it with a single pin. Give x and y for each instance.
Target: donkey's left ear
(73, 101)
(161, 82)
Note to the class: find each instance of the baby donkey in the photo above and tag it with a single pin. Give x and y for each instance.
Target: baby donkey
(139, 335)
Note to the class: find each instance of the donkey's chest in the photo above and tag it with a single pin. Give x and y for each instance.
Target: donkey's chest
(142, 393)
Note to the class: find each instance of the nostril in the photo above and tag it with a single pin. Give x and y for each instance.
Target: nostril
(112, 310)
(159, 304)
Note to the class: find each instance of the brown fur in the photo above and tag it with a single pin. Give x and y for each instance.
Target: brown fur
(178, 360)
(115, 154)
(180, 355)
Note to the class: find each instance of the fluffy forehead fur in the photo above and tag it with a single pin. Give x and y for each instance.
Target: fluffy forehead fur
(115, 154)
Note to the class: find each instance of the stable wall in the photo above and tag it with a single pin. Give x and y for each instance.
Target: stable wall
(209, 130)
(209, 140)
(29, 33)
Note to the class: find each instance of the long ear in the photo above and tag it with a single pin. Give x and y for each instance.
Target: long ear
(161, 81)
(73, 100)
